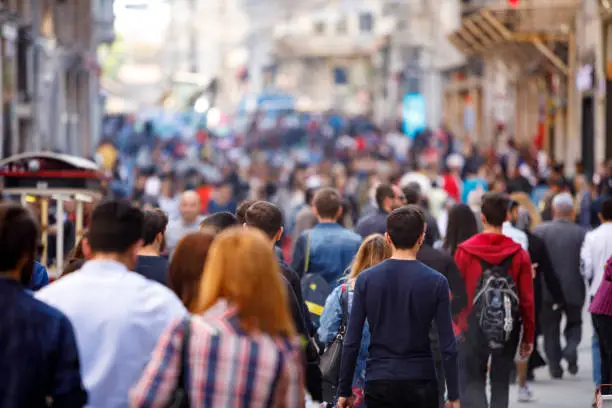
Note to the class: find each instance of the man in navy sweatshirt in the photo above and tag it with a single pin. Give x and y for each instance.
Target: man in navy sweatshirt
(401, 298)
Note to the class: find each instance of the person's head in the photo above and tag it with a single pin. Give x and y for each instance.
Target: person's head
(462, 225)
(241, 210)
(225, 191)
(494, 209)
(115, 232)
(498, 186)
(327, 205)
(219, 221)
(250, 282)
(189, 206)
(412, 192)
(187, 265)
(155, 222)
(267, 218)
(406, 228)
(309, 195)
(373, 250)
(79, 251)
(513, 212)
(563, 207)
(605, 211)
(528, 215)
(389, 197)
(19, 234)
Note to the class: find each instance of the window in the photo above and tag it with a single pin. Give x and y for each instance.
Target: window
(366, 22)
(319, 27)
(342, 26)
(340, 76)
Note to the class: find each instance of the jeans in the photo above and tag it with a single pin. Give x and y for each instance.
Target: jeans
(401, 394)
(596, 356)
(603, 327)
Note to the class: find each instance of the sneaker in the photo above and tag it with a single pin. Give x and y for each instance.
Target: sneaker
(525, 394)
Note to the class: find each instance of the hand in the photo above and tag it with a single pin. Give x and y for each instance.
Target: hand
(452, 404)
(534, 268)
(525, 351)
(345, 402)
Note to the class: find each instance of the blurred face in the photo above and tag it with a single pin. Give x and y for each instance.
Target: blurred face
(225, 193)
(189, 207)
(399, 199)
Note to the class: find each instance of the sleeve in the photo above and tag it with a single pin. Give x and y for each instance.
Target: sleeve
(352, 341)
(40, 277)
(361, 228)
(457, 287)
(526, 297)
(586, 260)
(298, 259)
(160, 377)
(68, 390)
(462, 262)
(448, 344)
(331, 318)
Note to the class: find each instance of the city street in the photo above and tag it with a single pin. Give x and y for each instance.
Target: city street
(571, 392)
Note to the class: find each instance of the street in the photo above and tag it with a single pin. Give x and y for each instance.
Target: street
(571, 392)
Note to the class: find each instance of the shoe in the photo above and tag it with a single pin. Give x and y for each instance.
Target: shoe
(525, 395)
(573, 368)
(556, 374)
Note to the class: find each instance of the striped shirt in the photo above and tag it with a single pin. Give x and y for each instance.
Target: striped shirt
(602, 302)
(227, 367)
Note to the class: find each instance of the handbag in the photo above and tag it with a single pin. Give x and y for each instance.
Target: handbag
(180, 395)
(330, 360)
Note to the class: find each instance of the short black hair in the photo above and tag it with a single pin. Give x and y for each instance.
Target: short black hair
(220, 221)
(19, 234)
(384, 191)
(606, 209)
(412, 192)
(309, 195)
(405, 226)
(266, 217)
(155, 222)
(495, 208)
(241, 210)
(115, 226)
(327, 202)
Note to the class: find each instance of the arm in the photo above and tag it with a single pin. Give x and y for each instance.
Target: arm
(550, 277)
(586, 261)
(160, 376)
(448, 344)
(298, 259)
(457, 287)
(68, 390)
(352, 341)
(526, 300)
(331, 318)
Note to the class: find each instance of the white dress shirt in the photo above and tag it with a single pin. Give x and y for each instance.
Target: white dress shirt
(516, 235)
(118, 317)
(595, 252)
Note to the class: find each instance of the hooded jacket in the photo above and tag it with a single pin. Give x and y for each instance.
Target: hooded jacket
(494, 249)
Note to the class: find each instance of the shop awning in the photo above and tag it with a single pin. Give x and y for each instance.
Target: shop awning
(532, 32)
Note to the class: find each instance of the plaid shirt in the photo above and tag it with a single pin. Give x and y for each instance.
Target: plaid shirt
(227, 367)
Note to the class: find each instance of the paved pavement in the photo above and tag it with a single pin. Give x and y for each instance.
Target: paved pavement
(571, 392)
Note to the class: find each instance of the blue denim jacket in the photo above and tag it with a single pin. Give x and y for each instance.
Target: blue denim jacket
(332, 249)
(330, 323)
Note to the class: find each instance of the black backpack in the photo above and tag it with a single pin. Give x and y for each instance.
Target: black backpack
(495, 313)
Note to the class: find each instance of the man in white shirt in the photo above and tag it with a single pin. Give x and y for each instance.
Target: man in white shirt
(118, 315)
(509, 230)
(188, 222)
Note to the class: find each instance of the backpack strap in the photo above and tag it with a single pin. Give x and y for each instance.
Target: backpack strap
(506, 263)
(307, 260)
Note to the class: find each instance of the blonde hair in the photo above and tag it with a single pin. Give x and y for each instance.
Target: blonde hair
(241, 268)
(373, 250)
(524, 201)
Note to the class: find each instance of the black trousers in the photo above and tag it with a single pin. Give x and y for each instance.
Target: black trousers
(603, 328)
(551, 328)
(401, 394)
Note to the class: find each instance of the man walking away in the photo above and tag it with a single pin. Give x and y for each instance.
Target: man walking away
(388, 198)
(564, 241)
(498, 279)
(118, 315)
(150, 263)
(39, 360)
(401, 298)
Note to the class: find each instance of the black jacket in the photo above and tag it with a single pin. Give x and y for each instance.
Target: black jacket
(546, 278)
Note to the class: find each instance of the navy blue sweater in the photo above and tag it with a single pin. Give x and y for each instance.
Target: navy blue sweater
(400, 300)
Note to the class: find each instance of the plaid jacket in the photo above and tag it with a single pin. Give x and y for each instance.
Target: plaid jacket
(227, 367)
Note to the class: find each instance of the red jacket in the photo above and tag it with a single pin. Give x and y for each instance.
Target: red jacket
(494, 249)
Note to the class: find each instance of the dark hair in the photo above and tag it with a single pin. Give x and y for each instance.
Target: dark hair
(495, 208)
(155, 222)
(115, 226)
(327, 202)
(187, 265)
(405, 226)
(241, 210)
(19, 234)
(412, 193)
(462, 225)
(73, 265)
(77, 251)
(219, 221)
(606, 209)
(266, 217)
(384, 191)
(309, 195)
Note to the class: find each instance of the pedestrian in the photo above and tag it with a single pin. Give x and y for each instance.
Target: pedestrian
(219, 221)
(412, 195)
(400, 298)
(118, 315)
(563, 240)
(240, 317)
(601, 311)
(241, 210)
(373, 250)
(498, 278)
(189, 220)
(305, 218)
(512, 232)
(187, 266)
(39, 359)
(388, 198)
(462, 226)
(150, 263)
(595, 252)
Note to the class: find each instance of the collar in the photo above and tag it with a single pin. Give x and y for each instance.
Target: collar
(327, 225)
(103, 266)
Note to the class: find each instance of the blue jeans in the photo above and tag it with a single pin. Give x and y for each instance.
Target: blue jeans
(596, 361)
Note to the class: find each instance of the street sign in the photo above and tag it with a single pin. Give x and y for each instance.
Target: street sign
(414, 113)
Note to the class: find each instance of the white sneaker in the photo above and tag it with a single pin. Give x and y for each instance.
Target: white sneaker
(525, 394)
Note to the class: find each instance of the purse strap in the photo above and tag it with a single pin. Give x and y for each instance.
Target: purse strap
(307, 260)
(344, 306)
(182, 380)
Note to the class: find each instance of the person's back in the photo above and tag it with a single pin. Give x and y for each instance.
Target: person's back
(153, 267)
(150, 264)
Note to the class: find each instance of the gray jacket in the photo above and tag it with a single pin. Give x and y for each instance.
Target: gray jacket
(564, 240)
